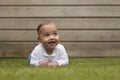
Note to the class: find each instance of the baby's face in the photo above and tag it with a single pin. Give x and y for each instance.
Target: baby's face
(48, 36)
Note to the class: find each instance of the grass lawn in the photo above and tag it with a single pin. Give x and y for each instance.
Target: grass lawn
(78, 69)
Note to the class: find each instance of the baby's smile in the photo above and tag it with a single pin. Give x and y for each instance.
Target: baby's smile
(52, 43)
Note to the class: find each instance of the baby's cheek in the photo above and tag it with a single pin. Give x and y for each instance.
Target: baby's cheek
(45, 40)
(57, 38)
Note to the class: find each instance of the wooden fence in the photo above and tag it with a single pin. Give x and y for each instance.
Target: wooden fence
(88, 28)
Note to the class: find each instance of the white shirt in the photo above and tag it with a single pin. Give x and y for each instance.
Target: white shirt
(59, 55)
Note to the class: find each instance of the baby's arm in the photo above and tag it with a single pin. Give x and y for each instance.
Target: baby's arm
(63, 57)
(34, 58)
(63, 60)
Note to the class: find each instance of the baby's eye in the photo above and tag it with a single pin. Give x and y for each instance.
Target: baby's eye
(55, 34)
(46, 35)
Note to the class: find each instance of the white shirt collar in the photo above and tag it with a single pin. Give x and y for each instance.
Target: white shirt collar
(45, 54)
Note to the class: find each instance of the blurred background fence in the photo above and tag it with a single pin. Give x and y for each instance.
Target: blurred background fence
(88, 28)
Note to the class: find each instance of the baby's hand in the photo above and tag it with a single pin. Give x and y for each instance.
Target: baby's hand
(43, 63)
(52, 64)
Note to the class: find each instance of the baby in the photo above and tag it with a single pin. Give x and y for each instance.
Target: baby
(48, 52)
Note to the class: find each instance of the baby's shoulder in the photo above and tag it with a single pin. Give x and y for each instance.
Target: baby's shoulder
(60, 47)
(39, 46)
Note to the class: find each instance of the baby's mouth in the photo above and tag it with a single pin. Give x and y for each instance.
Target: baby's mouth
(52, 43)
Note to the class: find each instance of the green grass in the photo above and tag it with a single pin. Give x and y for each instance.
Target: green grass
(78, 69)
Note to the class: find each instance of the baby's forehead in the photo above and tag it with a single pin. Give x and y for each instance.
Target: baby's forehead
(48, 28)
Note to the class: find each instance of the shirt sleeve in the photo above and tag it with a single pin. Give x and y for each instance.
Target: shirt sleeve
(63, 59)
(34, 58)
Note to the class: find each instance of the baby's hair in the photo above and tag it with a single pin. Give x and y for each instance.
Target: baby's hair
(39, 26)
(42, 24)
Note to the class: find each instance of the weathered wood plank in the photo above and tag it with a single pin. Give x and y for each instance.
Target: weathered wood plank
(14, 52)
(57, 2)
(18, 45)
(93, 49)
(18, 35)
(60, 11)
(65, 35)
(62, 23)
(87, 49)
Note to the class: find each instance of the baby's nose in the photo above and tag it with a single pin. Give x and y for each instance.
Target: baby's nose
(51, 36)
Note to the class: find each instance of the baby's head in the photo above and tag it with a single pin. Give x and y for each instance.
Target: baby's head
(48, 35)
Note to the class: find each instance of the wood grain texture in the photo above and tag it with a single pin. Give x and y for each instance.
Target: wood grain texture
(60, 11)
(75, 49)
(62, 23)
(88, 28)
(65, 35)
(58, 2)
